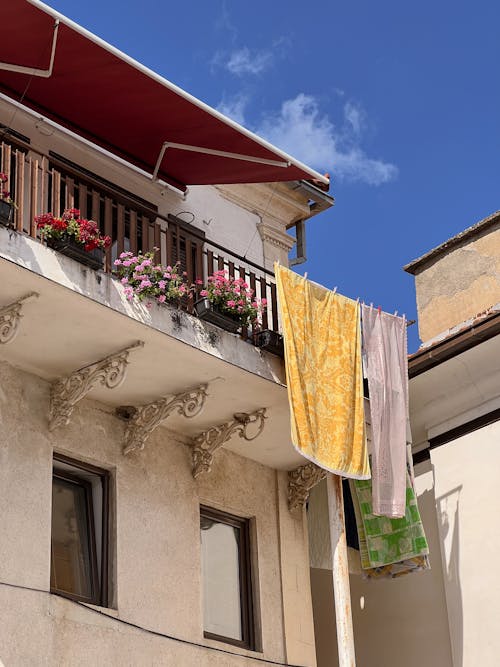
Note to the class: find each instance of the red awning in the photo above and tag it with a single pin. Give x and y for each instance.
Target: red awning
(103, 95)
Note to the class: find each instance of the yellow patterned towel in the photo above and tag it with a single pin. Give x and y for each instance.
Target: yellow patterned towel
(324, 377)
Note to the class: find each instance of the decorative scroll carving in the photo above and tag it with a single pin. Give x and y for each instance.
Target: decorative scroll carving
(67, 392)
(207, 443)
(10, 317)
(301, 481)
(148, 417)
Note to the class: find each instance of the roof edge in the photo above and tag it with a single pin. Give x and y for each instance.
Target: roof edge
(420, 263)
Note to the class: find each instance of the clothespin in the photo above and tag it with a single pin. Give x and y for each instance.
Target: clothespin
(335, 289)
(395, 313)
(305, 275)
(357, 300)
(371, 305)
(379, 310)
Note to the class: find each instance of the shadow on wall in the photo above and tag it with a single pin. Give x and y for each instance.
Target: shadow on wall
(448, 515)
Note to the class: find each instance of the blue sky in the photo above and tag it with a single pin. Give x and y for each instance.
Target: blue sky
(398, 101)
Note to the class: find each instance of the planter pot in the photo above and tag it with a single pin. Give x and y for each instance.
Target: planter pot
(208, 312)
(270, 341)
(6, 213)
(93, 259)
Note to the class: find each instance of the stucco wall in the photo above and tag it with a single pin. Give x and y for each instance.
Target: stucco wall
(396, 622)
(467, 510)
(462, 282)
(155, 541)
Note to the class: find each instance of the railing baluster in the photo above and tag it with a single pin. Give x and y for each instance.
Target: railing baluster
(82, 199)
(243, 276)
(56, 192)
(70, 193)
(19, 169)
(133, 231)
(274, 307)
(263, 295)
(44, 190)
(108, 228)
(157, 240)
(170, 246)
(221, 263)
(6, 153)
(34, 195)
(120, 229)
(145, 234)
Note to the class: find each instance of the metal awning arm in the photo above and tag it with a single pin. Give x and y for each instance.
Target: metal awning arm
(34, 71)
(213, 151)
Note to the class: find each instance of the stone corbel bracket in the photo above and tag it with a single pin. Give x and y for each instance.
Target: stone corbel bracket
(301, 481)
(148, 417)
(67, 392)
(10, 316)
(206, 444)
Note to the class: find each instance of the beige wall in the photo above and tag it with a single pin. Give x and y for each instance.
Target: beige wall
(398, 622)
(157, 572)
(461, 283)
(467, 506)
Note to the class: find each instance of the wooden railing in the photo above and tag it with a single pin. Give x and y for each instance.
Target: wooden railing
(39, 184)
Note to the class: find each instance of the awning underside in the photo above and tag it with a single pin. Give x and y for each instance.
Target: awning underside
(104, 97)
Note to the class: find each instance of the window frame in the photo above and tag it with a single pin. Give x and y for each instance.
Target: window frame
(99, 585)
(245, 578)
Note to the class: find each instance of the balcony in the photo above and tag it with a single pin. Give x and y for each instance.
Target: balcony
(41, 183)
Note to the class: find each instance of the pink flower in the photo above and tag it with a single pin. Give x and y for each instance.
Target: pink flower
(124, 281)
(167, 275)
(127, 262)
(198, 281)
(117, 262)
(162, 298)
(145, 283)
(263, 302)
(230, 303)
(204, 292)
(162, 284)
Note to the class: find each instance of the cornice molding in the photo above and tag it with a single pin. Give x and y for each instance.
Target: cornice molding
(10, 317)
(300, 482)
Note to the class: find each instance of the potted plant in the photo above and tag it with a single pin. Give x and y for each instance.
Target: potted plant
(73, 236)
(7, 204)
(228, 302)
(269, 340)
(143, 278)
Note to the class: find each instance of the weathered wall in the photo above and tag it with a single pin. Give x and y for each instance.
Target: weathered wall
(396, 622)
(460, 283)
(467, 512)
(155, 541)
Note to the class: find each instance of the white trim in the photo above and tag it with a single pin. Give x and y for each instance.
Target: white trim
(35, 71)
(182, 93)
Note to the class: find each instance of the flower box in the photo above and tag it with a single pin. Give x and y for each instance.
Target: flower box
(92, 258)
(270, 341)
(206, 310)
(6, 213)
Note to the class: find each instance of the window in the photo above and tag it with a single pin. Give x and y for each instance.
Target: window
(79, 539)
(226, 575)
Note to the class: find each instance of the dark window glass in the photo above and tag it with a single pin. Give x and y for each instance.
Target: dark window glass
(79, 538)
(226, 576)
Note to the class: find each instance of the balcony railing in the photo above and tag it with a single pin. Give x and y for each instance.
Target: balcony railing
(40, 183)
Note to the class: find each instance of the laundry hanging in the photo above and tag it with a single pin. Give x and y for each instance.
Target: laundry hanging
(322, 338)
(386, 367)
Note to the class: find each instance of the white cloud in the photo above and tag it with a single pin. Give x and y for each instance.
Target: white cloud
(234, 107)
(243, 61)
(304, 132)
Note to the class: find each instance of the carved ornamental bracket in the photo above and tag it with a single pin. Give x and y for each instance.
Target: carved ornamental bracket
(148, 417)
(205, 444)
(67, 392)
(301, 481)
(10, 317)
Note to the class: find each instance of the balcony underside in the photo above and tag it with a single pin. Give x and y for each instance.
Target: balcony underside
(81, 316)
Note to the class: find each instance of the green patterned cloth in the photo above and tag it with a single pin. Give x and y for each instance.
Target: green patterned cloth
(383, 541)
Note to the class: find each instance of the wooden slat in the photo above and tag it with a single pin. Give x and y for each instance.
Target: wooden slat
(273, 307)
(6, 153)
(242, 271)
(170, 246)
(19, 219)
(220, 263)
(157, 241)
(263, 295)
(108, 227)
(82, 199)
(96, 200)
(44, 177)
(230, 268)
(189, 269)
(33, 195)
(199, 263)
(145, 234)
(210, 262)
(70, 193)
(133, 231)
(56, 192)
(120, 229)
